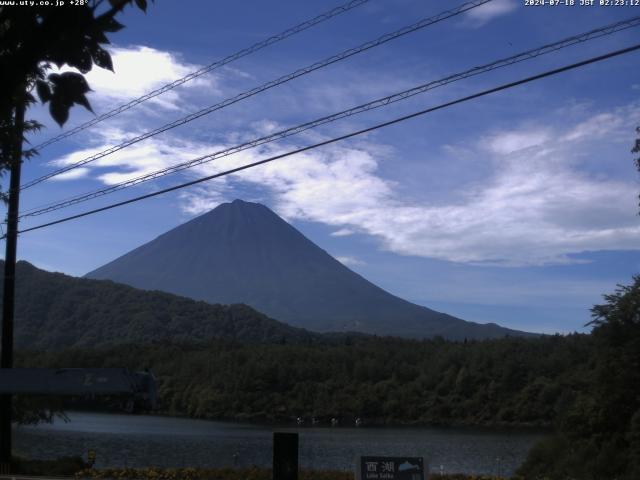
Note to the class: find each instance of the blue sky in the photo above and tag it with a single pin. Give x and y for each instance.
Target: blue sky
(518, 208)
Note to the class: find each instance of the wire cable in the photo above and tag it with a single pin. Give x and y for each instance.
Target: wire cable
(217, 64)
(396, 97)
(266, 86)
(483, 93)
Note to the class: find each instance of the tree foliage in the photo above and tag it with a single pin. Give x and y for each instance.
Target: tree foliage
(510, 381)
(32, 39)
(599, 434)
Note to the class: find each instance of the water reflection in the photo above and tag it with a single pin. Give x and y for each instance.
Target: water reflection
(141, 441)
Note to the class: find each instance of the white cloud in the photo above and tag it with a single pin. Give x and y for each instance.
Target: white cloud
(487, 12)
(139, 159)
(74, 174)
(598, 125)
(201, 199)
(139, 70)
(530, 213)
(265, 127)
(343, 232)
(510, 142)
(350, 261)
(535, 208)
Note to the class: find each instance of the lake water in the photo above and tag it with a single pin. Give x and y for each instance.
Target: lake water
(145, 440)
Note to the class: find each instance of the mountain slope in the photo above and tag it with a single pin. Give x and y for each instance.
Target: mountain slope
(243, 252)
(55, 311)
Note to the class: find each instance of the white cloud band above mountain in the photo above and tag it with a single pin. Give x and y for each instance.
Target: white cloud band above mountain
(537, 207)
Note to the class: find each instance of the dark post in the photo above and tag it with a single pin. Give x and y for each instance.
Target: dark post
(6, 357)
(285, 456)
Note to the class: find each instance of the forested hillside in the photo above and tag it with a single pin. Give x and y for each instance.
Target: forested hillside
(58, 311)
(382, 380)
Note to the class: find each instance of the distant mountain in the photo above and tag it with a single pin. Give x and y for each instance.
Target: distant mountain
(55, 311)
(243, 252)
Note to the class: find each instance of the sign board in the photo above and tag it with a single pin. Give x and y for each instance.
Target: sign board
(390, 468)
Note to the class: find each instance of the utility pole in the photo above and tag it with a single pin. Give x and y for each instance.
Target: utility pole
(6, 356)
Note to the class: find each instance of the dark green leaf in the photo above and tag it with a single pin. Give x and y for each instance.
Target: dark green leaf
(32, 126)
(102, 58)
(69, 88)
(59, 111)
(142, 5)
(44, 92)
(29, 153)
(55, 78)
(84, 63)
(80, 59)
(74, 82)
(99, 36)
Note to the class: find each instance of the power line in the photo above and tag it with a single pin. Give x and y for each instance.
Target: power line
(527, 55)
(506, 86)
(266, 86)
(217, 64)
